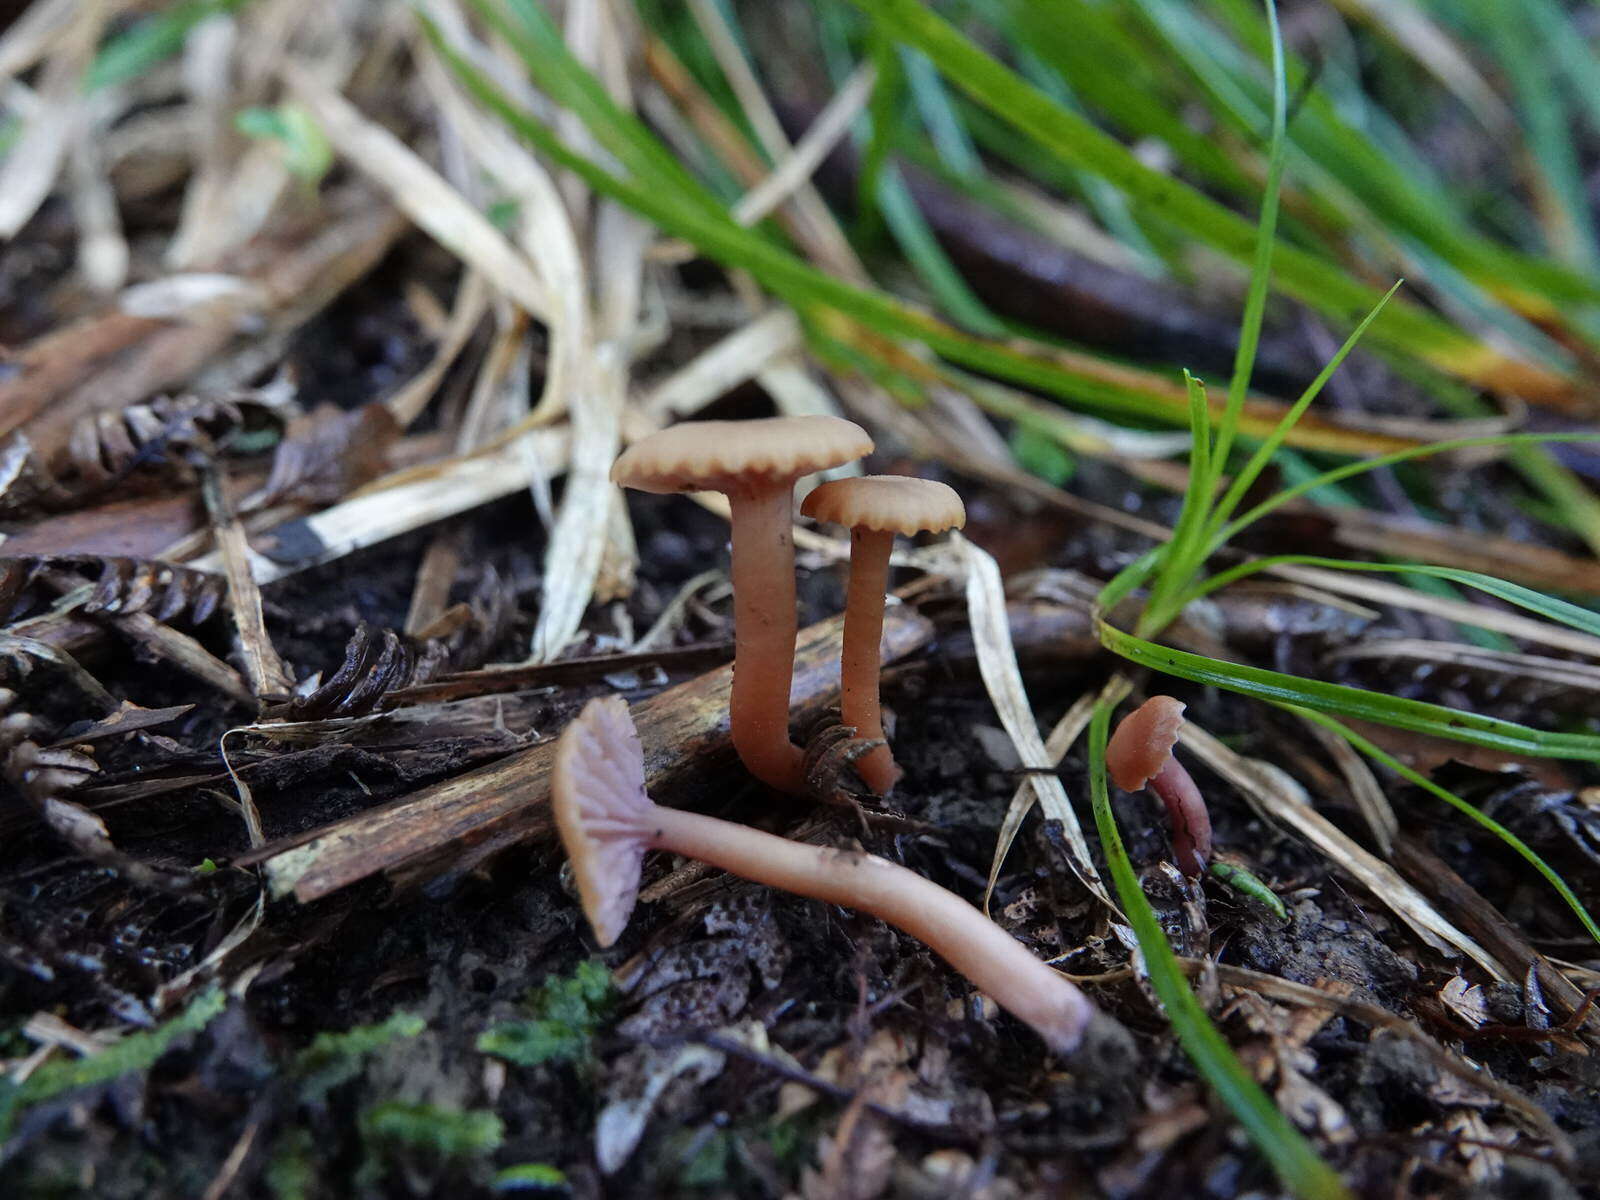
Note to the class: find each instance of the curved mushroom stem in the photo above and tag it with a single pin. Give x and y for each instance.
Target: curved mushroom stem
(1191, 822)
(764, 628)
(959, 933)
(859, 663)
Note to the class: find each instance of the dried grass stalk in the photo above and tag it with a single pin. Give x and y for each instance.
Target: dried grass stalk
(1279, 798)
(421, 193)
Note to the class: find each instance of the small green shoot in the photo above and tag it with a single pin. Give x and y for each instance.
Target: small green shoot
(1042, 455)
(504, 213)
(307, 153)
(530, 1177)
(1246, 884)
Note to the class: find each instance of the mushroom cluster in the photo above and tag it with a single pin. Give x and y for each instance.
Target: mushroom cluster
(607, 821)
(755, 464)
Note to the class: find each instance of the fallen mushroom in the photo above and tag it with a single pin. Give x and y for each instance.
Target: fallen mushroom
(875, 508)
(607, 822)
(1140, 755)
(755, 464)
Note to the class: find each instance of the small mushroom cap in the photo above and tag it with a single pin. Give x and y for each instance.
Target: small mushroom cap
(602, 812)
(722, 456)
(892, 503)
(1143, 742)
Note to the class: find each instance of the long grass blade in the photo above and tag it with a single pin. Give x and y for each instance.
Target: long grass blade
(1296, 1161)
(1314, 280)
(1255, 302)
(1338, 474)
(860, 312)
(1418, 716)
(1563, 612)
(1471, 811)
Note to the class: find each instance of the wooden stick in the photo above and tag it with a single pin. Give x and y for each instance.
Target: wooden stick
(453, 826)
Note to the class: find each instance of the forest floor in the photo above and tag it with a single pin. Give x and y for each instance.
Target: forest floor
(252, 943)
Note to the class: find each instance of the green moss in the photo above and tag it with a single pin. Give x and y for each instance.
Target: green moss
(565, 1012)
(708, 1166)
(335, 1058)
(136, 1052)
(292, 1173)
(447, 1133)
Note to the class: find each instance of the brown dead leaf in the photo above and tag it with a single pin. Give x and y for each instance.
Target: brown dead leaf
(1478, 1147)
(329, 452)
(1466, 1001)
(847, 1065)
(855, 1163)
(1282, 1057)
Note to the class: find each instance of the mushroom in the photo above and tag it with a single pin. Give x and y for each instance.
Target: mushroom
(1140, 754)
(607, 822)
(755, 464)
(875, 508)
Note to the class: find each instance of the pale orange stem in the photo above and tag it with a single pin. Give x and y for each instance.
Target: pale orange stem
(860, 662)
(959, 933)
(764, 633)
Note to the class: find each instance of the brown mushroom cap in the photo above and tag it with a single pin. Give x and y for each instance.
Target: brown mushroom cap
(719, 456)
(602, 812)
(1143, 742)
(887, 503)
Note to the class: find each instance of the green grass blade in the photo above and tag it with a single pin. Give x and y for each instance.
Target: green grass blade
(1500, 831)
(939, 116)
(1079, 378)
(151, 41)
(882, 118)
(1302, 1171)
(1251, 471)
(1314, 280)
(1188, 535)
(1575, 503)
(1397, 191)
(1415, 715)
(1255, 303)
(922, 250)
(1278, 499)
(1561, 611)
(1552, 154)
(529, 31)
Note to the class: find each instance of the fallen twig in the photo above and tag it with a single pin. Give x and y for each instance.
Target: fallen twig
(455, 825)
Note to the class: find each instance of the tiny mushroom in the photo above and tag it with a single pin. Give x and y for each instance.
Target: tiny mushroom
(607, 822)
(1140, 754)
(875, 508)
(755, 464)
